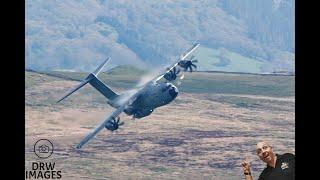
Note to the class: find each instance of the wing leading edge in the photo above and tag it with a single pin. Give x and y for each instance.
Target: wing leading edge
(114, 114)
(100, 127)
(182, 57)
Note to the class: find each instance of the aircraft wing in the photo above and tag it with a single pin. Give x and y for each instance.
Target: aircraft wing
(114, 114)
(182, 57)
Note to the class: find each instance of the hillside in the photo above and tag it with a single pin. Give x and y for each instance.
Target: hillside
(78, 34)
(125, 77)
(205, 133)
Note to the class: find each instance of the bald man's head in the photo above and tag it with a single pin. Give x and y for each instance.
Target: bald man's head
(262, 143)
(265, 152)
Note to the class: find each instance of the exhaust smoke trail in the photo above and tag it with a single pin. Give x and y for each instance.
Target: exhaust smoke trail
(154, 73)
(125, 97)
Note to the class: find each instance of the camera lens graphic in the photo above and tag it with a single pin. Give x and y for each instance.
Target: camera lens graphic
(43, 148)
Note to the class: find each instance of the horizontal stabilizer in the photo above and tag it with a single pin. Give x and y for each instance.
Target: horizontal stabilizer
(97, 71)
(75, 89)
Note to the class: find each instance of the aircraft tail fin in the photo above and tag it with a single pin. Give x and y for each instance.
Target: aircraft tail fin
(99, 68)
(93, 80)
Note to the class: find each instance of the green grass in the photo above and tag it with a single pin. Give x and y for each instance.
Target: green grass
(196, 82)
(124, 80)
(33, 79)
(208, 59)
(126, 69)
(123, 76)
(238, 84)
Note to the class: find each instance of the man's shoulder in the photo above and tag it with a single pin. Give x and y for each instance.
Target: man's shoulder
(268, 171)
(287, 156)
(264, 172)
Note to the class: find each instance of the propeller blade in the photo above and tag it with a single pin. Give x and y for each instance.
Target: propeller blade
(114, 120)
(193, 65)
(190, 68)
(84, 82)
(194, 61)
(121, 123)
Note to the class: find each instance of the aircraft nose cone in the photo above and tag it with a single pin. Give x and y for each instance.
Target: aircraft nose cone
(173, 91)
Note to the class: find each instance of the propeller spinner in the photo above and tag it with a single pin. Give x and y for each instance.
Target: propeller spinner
(114, 124)
(188, 64)
(172, 74)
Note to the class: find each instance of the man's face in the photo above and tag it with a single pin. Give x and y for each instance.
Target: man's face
(264, 151)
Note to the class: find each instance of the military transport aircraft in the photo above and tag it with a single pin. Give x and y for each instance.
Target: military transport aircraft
(139, 102)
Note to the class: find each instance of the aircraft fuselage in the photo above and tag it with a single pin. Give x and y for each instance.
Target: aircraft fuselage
(153, 96)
